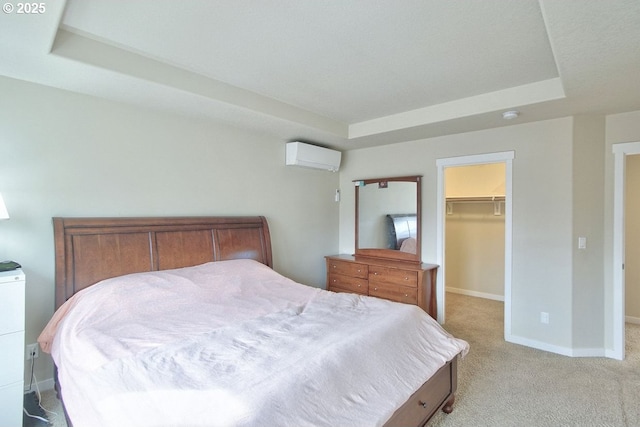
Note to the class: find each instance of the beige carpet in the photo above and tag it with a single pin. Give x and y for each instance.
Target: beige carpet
(502, 384)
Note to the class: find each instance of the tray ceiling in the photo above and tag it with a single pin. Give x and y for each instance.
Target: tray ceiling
(348, 74)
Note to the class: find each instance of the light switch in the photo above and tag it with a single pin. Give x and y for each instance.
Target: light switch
(582, 243)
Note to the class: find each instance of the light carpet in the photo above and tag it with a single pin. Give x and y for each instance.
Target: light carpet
(503, 384)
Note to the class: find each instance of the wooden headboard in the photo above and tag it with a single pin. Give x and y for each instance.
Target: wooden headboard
(88, 250)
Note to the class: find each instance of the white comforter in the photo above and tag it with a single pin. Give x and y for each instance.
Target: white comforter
(234, 343)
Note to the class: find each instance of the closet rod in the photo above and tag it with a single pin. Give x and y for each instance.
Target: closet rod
(475, 199)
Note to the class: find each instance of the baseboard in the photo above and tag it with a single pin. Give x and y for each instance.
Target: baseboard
(613, 354)
(564, 351)
(539, 345)
(475, 294)
(589, 352)
(634, 320)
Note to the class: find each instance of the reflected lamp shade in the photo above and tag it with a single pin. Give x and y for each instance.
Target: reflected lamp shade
(3, 209)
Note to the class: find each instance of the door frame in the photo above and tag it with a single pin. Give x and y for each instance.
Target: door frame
(499, 157)
(620, 151)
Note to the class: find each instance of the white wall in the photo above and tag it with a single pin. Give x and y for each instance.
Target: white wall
(542, 212)
(588, 221)
(65, 154)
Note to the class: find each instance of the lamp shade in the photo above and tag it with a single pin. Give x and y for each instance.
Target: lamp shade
(3, 209)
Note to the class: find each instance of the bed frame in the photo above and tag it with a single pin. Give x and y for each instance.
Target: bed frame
(88, 250)
(92, 249)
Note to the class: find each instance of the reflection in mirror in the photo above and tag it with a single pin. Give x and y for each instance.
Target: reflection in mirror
(387, 215)
(387, 218)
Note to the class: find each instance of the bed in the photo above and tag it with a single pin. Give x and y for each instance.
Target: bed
(182, 321)
(401, 227)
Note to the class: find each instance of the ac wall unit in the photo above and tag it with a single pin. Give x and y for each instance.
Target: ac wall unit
(312, 156)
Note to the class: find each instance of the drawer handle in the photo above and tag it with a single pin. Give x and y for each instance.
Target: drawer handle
(375, 289)
(359, 285)
(334, 266)
(375, 274)
(406, 278)
(423, 404)
(406, 295)
(359, 270)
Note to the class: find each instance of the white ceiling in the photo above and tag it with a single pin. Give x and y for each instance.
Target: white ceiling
(343, 73)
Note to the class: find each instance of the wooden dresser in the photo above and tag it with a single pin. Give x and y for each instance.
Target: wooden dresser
(411, 283)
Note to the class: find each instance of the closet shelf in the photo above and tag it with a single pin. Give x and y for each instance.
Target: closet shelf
(472, 199)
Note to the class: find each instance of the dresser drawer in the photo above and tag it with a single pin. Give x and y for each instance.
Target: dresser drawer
(342, 283)
(410, 283)
(395, 276)
(347, 268)
(424, 402)
(406, 294)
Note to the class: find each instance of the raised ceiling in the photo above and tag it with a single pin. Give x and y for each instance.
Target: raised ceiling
(347, 74)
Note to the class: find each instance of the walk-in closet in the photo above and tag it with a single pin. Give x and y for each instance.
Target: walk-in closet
(475, 230)
(632, 237)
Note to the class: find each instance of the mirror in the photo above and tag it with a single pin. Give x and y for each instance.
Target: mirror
(388, 218)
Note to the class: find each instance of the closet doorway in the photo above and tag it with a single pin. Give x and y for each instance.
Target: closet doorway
(505, 159)
(624, 197)
(632, 239)
(474, 230)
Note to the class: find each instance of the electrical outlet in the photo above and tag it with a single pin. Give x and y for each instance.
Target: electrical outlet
(544, 317)
(32, 351)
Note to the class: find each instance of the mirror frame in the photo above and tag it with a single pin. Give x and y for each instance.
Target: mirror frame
(390, 253)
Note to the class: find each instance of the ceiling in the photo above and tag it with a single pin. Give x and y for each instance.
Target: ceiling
(341, 73)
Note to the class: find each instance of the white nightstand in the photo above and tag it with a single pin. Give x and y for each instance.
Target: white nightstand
(12, 284)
